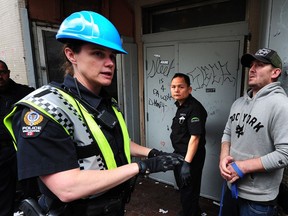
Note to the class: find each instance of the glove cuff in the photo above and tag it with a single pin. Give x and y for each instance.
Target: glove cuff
(186, 164)
(153, 153)
(142, 167)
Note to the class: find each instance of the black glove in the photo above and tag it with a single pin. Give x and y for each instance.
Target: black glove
(185, 174)
(159, 163)
(155, 152)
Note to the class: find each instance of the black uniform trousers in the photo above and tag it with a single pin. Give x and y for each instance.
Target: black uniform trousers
(189, 195)
(97, 209)
(8, 179)
(104, 205)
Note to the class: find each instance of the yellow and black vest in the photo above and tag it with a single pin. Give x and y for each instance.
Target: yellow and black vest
(78, 123)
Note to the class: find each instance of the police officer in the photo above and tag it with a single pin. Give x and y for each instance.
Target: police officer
(73, 136)
(188, 139)
(10, 93)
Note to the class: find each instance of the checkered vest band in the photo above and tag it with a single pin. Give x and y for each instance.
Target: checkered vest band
(93, 149)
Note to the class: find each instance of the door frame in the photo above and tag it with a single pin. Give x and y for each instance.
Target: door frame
(40, 54)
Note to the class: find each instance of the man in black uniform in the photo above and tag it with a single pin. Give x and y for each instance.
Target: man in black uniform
(10, 92)
(188, 139)
(73, 137)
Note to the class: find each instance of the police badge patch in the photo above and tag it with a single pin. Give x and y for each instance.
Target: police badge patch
(32, 123)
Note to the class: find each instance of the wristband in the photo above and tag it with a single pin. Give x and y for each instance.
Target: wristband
(142, 167)
(237, 170)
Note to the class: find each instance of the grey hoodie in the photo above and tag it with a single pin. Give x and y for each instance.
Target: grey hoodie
(258, 127)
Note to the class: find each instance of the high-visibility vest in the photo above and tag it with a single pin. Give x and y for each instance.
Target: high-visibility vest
(78, 123)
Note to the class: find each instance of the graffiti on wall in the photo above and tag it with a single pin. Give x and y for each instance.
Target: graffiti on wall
(208, 76)
(212, 75)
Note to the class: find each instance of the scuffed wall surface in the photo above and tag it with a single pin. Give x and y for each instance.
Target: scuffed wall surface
(11, 42)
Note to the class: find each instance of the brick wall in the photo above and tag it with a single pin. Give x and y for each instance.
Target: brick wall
(11, 42)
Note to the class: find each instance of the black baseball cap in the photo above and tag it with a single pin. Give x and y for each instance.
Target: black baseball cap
(265, 55)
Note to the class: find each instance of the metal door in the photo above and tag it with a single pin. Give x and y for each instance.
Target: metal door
(213, 68)
(160, 66)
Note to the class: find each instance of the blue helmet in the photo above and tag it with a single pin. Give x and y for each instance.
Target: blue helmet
(91, 27)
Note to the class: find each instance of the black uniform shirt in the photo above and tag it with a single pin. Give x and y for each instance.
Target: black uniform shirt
(189, 120)
(52, 150)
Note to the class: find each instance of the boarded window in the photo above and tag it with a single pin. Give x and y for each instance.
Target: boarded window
(193, 13)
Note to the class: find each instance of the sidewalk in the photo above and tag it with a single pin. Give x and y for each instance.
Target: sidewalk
(151, 198)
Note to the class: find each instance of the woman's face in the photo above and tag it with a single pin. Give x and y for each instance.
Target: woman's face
(179, 89)
(93, 66)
